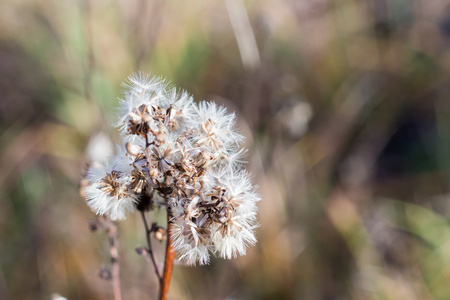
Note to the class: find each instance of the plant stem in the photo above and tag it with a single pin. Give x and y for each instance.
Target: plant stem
(150, 249)
(168, 262)
(115, 273)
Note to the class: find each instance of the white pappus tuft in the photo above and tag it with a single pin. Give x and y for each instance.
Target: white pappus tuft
(108, 190)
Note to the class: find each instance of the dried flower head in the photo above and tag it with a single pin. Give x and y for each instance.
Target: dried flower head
(184, 157)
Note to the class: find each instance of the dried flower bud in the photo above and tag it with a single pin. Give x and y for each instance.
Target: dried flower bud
(105, 273)
(94, 225)
(160, 234)
(141, 250)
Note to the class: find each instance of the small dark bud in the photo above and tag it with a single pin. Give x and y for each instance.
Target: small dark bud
(105, 273)
(141, 250)
(93, 226)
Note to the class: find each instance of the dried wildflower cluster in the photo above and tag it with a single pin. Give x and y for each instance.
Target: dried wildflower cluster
(184, 157)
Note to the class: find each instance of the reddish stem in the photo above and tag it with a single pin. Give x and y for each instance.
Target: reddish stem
(168, 263)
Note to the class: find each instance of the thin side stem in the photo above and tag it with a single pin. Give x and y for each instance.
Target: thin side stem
(168, 262)
(150, 249)
(115, 272)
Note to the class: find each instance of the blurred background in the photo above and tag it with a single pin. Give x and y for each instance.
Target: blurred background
(345, 106)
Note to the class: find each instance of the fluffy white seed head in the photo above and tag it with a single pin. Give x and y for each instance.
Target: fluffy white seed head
(183, 156)
(107, 192)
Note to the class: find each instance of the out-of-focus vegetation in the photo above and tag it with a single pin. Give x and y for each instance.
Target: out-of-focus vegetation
(346, 109)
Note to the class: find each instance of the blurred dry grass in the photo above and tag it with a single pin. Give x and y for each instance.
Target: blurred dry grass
(345, 105)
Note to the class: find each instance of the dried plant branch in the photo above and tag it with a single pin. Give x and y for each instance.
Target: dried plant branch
(111, 230)
(113, 251)
(150, 248)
